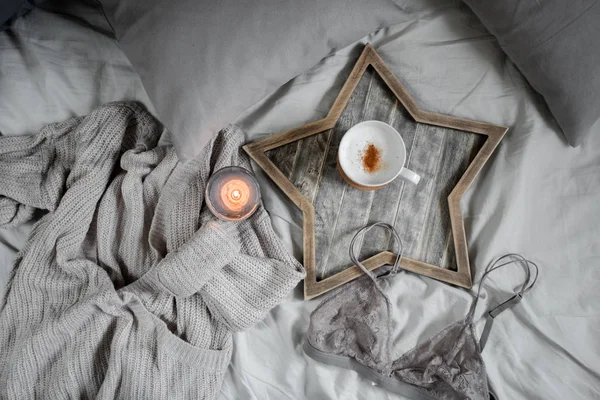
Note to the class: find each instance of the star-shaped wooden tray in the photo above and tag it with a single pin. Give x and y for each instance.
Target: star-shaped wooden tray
(447, 152)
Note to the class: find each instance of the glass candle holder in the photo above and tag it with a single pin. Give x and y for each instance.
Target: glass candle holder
(232, 194)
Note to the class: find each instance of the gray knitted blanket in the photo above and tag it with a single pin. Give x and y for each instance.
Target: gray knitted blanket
(128, 287)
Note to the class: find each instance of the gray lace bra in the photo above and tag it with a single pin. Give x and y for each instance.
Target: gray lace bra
(352, 328)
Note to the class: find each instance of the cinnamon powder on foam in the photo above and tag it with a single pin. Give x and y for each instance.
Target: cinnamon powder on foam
(371, 158)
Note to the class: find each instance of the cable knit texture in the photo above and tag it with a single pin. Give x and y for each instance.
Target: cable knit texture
(127, 287)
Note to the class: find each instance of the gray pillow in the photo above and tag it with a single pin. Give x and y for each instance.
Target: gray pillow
(203, 63)
(555, 44)
(10, 10)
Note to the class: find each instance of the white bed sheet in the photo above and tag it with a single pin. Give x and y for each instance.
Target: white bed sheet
(538, 197)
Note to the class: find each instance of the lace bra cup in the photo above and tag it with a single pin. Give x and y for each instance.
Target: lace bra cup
(449, 365)
(352, 328)
(352, 324)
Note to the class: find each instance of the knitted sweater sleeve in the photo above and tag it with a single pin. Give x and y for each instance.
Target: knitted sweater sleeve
(241, 270)
(256, 279)
(185, 271)
(33, 171)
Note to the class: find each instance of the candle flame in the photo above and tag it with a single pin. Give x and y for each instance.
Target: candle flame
(235, 194)
(232, 194)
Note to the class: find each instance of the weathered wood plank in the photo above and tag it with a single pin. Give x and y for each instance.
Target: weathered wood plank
(387, 199)
(283, 157)
(356, 205)
(332, 187)
(449, 262)
(451, 166)
(412, 209)
(309, 163)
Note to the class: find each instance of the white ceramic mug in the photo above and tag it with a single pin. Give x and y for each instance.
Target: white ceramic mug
(389, 147)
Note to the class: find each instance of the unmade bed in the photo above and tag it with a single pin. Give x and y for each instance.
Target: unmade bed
(536, 196)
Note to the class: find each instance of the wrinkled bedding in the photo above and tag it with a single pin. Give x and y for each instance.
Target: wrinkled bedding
(537, 196)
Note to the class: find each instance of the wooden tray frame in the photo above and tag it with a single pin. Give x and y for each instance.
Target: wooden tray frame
(369, 57)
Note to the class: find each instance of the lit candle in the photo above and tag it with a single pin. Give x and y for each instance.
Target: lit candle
(232, 194)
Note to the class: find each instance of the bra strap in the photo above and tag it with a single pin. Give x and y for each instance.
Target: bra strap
(363, 231)
(354, 249)
(507, 259)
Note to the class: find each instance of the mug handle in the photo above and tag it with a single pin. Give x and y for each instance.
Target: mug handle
(409, 175)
